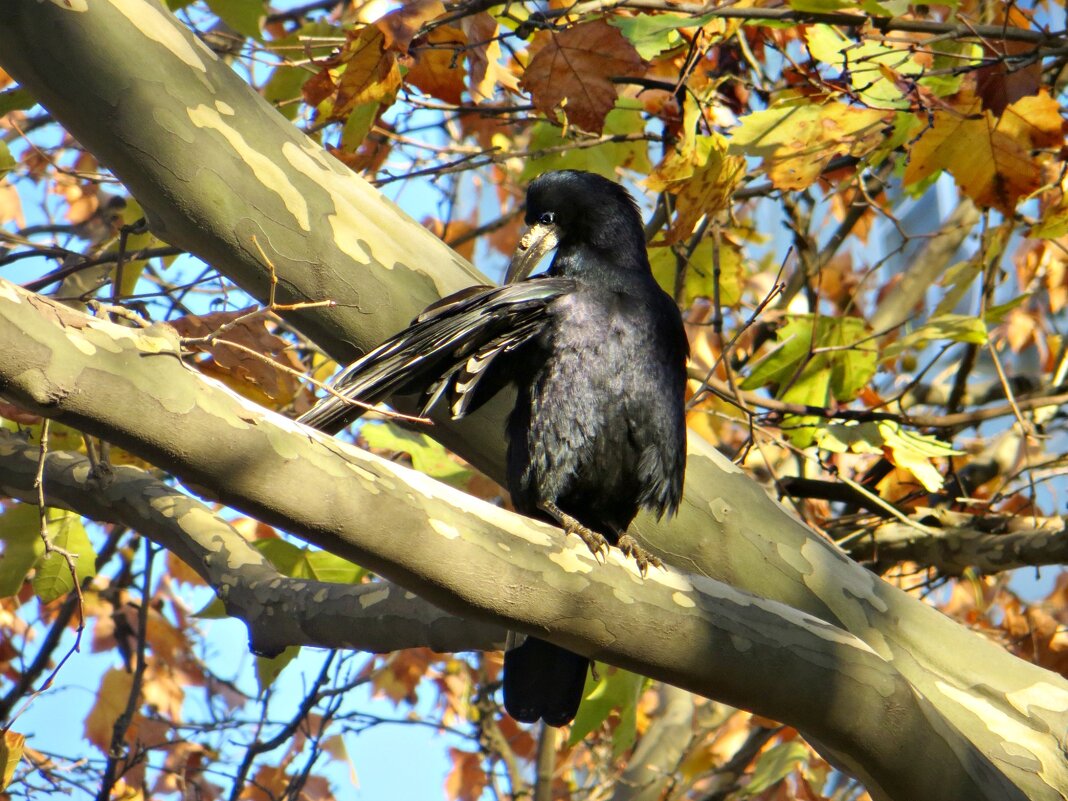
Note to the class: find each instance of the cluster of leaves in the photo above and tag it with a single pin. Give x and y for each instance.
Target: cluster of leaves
(793, 163)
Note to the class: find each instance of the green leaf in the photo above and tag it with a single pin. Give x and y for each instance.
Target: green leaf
(905, 448)
(308, 563)
(215, 609)
(427, 455)
(20, 531)
(952, 59)
(605, 159)
(17, 99)
(267, 669)
(7, 161)
(952, 327)
(995, 314)
(52, 578)
(244, 16)
(358, 124)
(849, 366)
(652, 34)
(774, 765)
(699, 277)
(618, 691)
(133, 269)
(866, 64)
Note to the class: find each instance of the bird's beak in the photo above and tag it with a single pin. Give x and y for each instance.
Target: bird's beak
(536, 242)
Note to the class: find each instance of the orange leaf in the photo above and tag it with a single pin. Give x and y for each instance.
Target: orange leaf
(437, 66)
(111, 701)
(245, 373)
(990, 157)
(400, 27)
(467, 779)
(574, 68)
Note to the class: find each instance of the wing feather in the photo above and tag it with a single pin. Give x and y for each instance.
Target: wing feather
(447, 350)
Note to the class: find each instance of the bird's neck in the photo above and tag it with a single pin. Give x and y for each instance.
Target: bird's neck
(608, 266)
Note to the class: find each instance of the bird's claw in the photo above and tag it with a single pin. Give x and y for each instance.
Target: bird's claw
(596, 542)
(630, 547)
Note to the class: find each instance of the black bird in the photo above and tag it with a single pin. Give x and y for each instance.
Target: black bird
(597, 352)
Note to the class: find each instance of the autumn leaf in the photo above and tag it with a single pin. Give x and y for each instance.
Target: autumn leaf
(371, 72)
(467, 779)
(992, 158)
(574, 68)
(875, 70)
(701, 178)
(484, 71)
(438, 63)
(111, 700)
(797, 140)
(399, 27)
(10, 753)
(239, 367)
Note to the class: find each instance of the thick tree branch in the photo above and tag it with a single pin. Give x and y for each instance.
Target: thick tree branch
(279, 611)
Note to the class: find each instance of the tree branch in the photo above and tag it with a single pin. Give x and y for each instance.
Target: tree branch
(279, 611)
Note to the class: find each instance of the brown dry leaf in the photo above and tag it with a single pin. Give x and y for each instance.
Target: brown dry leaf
(402, 673)
(467, 779)
(318, 87)
(454, 229)
(400, 27)
(519, 739)
(371, 73)
(111, 699)
(183, 771)
(484, 71)
(1003, 82)
(438, 63)
(179, 570)
(797, 141)
(162, 688)
(253, 377)
(1046, 261)
(991, 157)
(574, 68)
(269, 784)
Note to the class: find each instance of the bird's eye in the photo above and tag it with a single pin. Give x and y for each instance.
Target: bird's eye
(547, 218)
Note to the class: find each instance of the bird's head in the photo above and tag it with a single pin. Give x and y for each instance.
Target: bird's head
(572, 209)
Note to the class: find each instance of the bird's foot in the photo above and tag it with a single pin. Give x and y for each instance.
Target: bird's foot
(630, 547)
(596, 542)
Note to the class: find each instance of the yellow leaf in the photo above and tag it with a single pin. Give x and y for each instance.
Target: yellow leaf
(371, 72)
(798, 140)
(10, 754)
(702, 179)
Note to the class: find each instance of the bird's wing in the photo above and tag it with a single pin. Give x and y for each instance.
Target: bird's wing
(447, 350)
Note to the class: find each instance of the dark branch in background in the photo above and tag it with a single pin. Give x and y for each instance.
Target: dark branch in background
(118, 753)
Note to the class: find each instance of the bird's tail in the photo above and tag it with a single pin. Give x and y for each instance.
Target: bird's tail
(545, 681)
